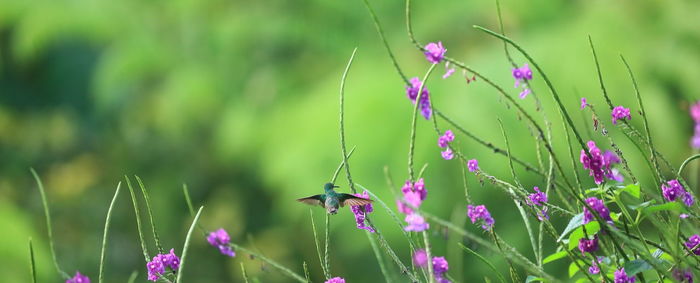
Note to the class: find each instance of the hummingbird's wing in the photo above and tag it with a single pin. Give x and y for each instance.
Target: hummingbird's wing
(348, 199)
(314, 200)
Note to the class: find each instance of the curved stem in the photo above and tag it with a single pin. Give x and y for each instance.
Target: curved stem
(685, 163)
(342, 126)
(104, 235)
(412, 142)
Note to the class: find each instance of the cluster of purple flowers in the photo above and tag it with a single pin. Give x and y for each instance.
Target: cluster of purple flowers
(597, 205)
(588, 246)
(621, 277)
(440, 266)
(693, 244)
(413, 195)
(220, 239)
(480, 212)
(156, 267)
(620, 113)
(539, 198)
(522, 75)
(695, 113)
(361, 211)
(599, 164)
(412, 92)
(335, 280)
(443, 142)
(673, 190)
(78, 278)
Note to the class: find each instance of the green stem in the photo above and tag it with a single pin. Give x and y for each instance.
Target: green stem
(386, 44)
(375, 249)
(318, 246)
(327, 260)
(187, 244)
(104, 235)
(484, 260)
(685, 163)
(412, 143)
(342, 126)
(337, 170)
(32, 265)
(274, 264)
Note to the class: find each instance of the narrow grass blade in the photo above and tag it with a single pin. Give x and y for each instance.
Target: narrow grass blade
(187, 244)
(144, 248)
(342, 124)
(32, 265)
(486, 261)
(45, 203)
(150, 214)
(274, 264)
(318, 246)
(104, 235)
(132, 277)
(186, 192)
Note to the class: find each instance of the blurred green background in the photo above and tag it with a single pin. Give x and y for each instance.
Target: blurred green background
(239, 100)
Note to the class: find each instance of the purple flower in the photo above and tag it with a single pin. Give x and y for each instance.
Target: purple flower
(440, 266)
(473, 165)
(594, 269)
(403, 208)
(78, 278)
(480, 212)
(420, 258)
(683, 275)
(446, 138)
(538, 198)
(695, 112)
(598, 164)
(583, 102)
(621, 277)
(220, 239)
(683, 216)
(434, 52)
(673, 190)
(416, 223)
(361, 211)
(692, 244)
(156, 267)
(599, 207)
(688, 199)
(521, 76)
(335, 280)
(412, 93)
(447, 154)
(620, 113)
(413, 198)
(588, 246)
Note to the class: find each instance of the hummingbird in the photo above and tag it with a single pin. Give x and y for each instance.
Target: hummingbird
(330, 200)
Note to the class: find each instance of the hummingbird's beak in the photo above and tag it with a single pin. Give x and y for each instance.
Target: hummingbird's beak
(336, 186)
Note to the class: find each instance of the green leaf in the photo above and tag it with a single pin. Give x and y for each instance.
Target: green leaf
(591, 228)
(669, 206)
(632, 189)
(531, 278)
(554, 256)
(573, 268)
(575, 222)
(642, 205)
